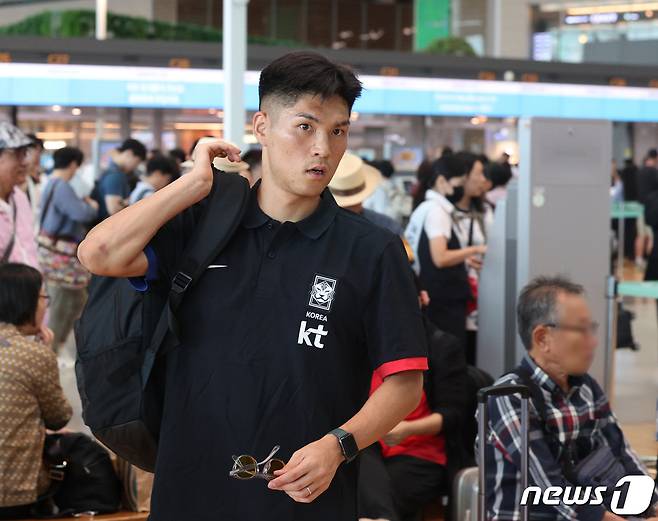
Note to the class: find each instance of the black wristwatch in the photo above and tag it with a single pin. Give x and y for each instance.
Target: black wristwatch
(347, 443)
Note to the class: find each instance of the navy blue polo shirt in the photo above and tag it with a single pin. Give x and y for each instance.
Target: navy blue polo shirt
(280, 338)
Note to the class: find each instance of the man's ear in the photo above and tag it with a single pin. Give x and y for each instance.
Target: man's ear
(261, 123)
(540, 337)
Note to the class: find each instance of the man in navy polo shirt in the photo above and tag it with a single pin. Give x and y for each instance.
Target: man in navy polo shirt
(286, 326)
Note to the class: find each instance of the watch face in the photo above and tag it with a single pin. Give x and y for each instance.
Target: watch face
(350, 449)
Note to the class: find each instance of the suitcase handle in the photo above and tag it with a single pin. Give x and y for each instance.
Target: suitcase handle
(482, 397)
(502, 390)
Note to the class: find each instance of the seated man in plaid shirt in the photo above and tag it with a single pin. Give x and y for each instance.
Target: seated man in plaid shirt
(569, 413)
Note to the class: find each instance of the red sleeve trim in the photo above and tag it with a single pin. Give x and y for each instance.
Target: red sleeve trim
(398, 366)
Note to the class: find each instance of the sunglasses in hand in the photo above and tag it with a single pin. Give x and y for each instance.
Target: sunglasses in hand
(247, 467)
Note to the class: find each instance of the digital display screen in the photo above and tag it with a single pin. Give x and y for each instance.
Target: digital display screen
(152, 87)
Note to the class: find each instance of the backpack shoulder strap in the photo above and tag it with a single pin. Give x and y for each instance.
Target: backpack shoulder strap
(565, 456)
(226, 206)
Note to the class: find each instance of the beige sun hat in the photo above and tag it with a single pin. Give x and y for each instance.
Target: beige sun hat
(220, 163)
(354, 181)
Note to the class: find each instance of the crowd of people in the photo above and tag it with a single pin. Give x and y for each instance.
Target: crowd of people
(341, 318)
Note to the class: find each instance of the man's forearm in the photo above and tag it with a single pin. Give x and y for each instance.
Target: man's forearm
(115, 247)
(387, 406)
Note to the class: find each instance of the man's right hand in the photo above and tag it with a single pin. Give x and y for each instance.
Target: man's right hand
(205, 152)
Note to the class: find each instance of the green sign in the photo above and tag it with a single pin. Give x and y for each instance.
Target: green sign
(627, 210)
(431, 20)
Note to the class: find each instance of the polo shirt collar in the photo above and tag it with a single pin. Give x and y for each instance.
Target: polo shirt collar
(542, 378)
(113, 167)
(312, 226)
(319, 221)
(254, 217)
(433, 195)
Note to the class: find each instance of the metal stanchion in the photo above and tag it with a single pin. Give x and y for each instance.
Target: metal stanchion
(621, 246)
(610, 334)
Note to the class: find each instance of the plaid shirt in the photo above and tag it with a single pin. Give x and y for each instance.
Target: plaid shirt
(582, 416)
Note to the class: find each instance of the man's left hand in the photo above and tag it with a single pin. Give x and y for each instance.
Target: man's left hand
(311, 468)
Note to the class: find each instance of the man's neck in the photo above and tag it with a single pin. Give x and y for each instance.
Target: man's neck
(284, 206)
(121, 167)
(61, 174)
(553, 370)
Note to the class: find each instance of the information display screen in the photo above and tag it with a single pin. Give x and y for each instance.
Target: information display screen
(153, 87)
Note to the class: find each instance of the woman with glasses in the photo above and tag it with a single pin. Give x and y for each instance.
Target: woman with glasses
(31, 396)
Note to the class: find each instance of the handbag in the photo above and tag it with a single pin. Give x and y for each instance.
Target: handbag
(83, 477)
(58, 255)
(601, 468)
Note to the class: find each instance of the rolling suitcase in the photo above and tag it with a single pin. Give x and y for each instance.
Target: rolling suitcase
(483, 396)
(465, 494)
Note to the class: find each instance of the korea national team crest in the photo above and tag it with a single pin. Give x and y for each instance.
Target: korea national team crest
(322, 292)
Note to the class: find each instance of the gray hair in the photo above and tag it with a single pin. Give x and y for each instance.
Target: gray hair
(537, 304)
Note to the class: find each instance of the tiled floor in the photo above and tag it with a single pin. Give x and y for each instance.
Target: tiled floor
(636, 372)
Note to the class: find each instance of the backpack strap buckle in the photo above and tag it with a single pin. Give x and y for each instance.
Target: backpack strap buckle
(180, 283)
(57, 472)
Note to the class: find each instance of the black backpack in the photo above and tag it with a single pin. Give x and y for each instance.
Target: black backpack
(89, 481)
(123, 334)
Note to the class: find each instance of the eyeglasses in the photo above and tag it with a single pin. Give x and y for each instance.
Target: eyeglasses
(45, 296)
(246, 467)
(590, 329)
(18, 153)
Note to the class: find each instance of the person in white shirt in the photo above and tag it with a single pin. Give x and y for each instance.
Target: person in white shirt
(388, 199)
(471, 220)
(440, 241)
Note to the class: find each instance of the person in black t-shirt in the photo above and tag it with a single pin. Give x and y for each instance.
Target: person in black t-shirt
(286, 326)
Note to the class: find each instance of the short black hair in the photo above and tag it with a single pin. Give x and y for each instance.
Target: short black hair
(464, 161)
(447, 166)
(499, 174)
(178, 153)
(63, 157)
(537, 304)
(20, 285)
(36, 142)
(385, 167)
(253, 157)
(166, 165)
(136, 147)
(652, 153)
(299, 73)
